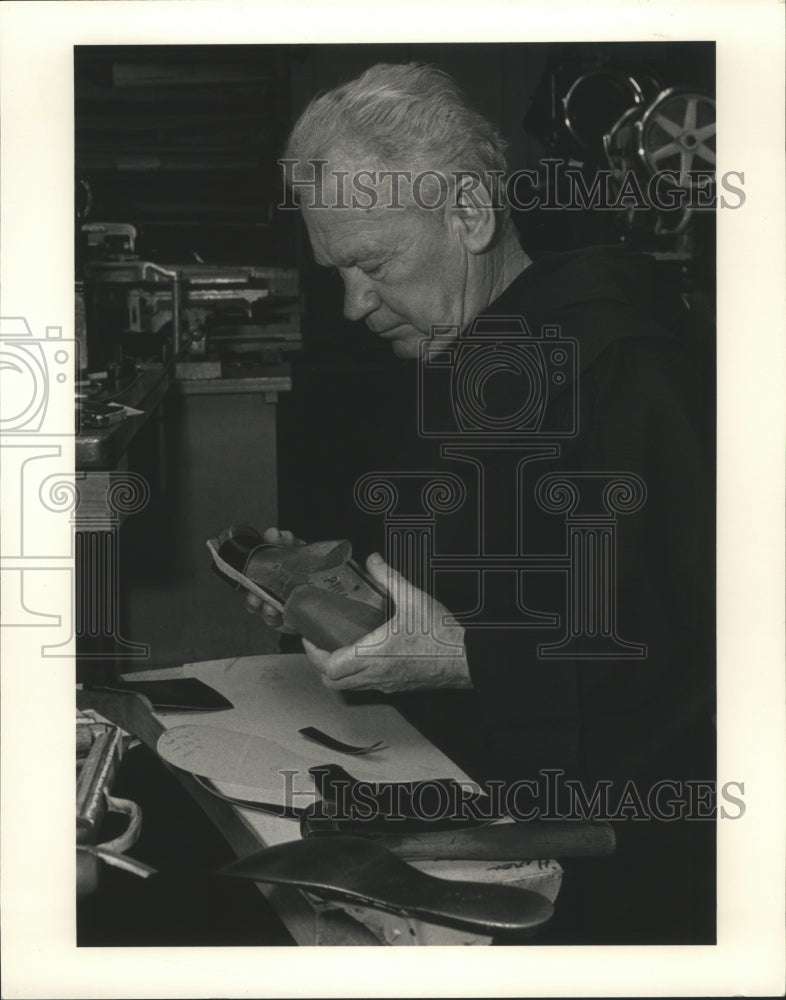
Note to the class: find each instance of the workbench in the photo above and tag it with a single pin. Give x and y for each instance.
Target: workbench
(273, 697)
(99, 448)
(200, 455)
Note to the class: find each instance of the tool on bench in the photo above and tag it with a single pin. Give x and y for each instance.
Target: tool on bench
(404, 817)
(500, 841)
(358, 871)
(96, 772)
(441, 819)
(321, 593)
(363, 862)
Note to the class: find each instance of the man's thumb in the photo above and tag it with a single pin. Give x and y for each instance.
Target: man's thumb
(382, 574)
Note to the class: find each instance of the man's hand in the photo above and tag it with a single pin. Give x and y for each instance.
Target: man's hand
(270, 615)
(421, 647)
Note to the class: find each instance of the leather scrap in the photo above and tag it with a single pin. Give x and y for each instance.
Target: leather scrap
(179, 694)
(331, 743)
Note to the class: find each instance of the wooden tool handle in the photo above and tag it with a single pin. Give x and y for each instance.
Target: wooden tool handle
(505, 842)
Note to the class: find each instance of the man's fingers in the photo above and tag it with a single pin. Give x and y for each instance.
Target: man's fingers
(279, 536)
(353, 682)
(335, 666)
(253, 603)
(413, 606)
(271, 616)
(394, 583)
(317, 656)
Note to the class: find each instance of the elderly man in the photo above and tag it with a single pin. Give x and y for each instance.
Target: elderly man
(412, 256)
(401, 188)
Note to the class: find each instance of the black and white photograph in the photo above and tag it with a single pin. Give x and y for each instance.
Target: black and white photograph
(388, 514)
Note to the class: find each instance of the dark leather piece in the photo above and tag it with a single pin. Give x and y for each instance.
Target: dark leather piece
(186, 694)
(359, 807)
(312, 733)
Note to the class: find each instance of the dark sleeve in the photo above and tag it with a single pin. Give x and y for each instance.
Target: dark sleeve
(640, 412)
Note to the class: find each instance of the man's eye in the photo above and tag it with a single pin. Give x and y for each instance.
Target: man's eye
(374, 271)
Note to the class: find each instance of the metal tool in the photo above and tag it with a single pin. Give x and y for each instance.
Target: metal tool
(96, 773)
(358, 871)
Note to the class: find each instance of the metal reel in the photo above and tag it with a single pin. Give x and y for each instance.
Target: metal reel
(677, 133)
(595, 101)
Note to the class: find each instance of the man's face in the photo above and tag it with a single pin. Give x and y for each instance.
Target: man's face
(404, 270)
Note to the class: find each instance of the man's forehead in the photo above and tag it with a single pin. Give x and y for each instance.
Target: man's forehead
(365, 183)
(344, 236)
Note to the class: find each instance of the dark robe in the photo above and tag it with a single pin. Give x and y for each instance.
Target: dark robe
(635, 398)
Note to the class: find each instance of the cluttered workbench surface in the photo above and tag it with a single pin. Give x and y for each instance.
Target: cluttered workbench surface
(100, 447)
(256, 752)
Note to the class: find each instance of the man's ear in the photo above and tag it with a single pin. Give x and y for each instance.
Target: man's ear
(471, 214)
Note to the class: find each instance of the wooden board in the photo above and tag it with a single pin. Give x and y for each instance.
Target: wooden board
(276, 695)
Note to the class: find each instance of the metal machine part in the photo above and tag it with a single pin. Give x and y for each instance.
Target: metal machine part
(620, 142)
(209, 312)
(672, 139)
(595, 100)
(100, 748)
(677, 132)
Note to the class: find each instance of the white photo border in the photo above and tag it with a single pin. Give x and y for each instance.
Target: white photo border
(36, 260)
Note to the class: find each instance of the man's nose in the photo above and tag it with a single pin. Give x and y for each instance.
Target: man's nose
(360, 298)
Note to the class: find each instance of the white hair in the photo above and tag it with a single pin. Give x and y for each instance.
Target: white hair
(402, 116)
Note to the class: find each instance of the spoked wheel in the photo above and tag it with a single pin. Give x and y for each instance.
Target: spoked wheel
(677, 133)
